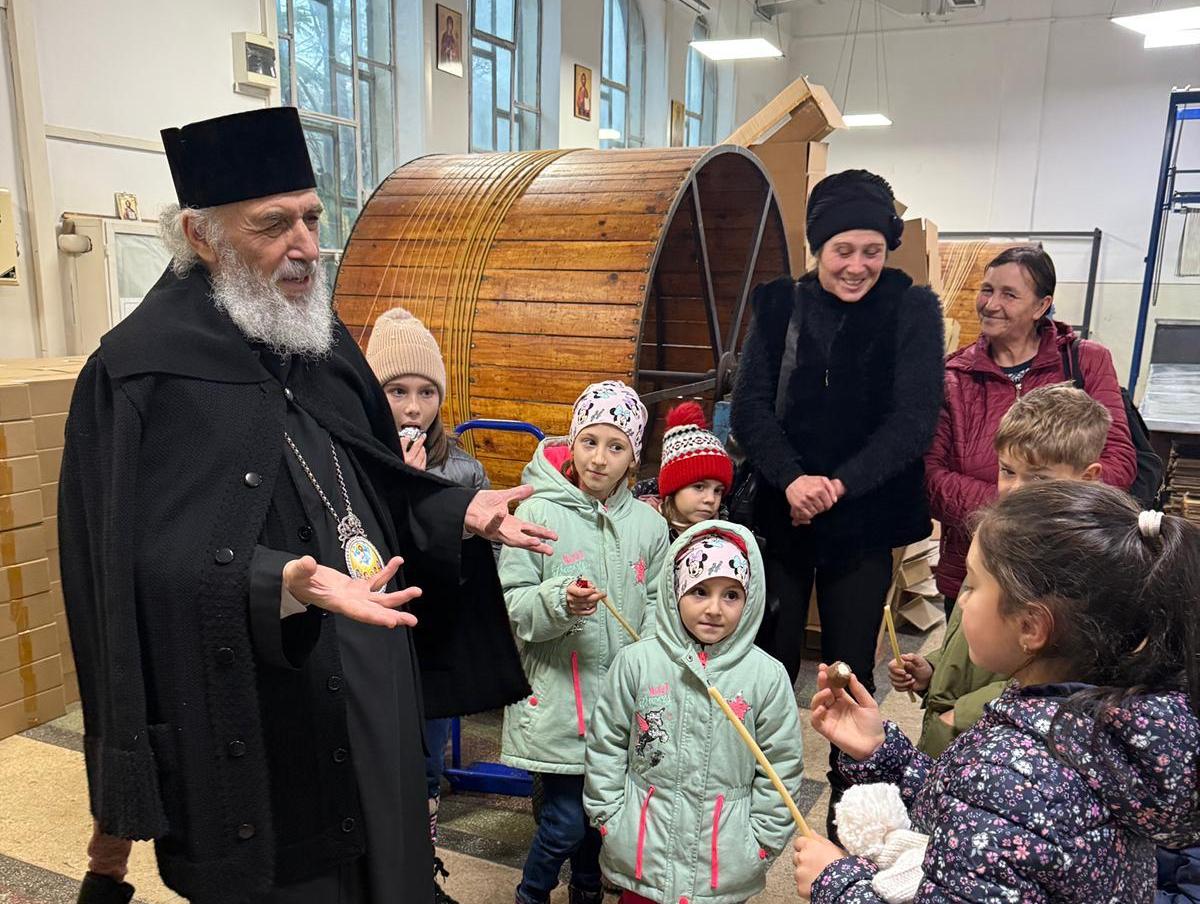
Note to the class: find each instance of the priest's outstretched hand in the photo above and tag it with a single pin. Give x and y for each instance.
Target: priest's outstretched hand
(361, 599)
(488, 517)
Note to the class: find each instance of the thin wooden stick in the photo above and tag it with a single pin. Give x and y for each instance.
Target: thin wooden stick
(617, 616)
(797, 816)
(891, 629)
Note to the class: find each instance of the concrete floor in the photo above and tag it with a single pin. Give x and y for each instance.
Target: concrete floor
(45, 826)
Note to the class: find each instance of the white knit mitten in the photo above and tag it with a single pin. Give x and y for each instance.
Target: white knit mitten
(873, 823)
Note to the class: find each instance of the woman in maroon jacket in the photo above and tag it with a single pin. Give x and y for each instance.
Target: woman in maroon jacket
(1020, 348)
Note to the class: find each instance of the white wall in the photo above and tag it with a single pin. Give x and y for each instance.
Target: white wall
(582, 25)
(18, 337)
(1040, 114)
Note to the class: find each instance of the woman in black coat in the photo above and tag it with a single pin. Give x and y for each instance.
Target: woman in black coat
(838, 443)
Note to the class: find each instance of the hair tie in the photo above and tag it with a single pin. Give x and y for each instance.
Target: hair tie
(1150, 524)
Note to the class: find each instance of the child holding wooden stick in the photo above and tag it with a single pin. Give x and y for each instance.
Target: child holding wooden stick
(685, 810)
(572, 612)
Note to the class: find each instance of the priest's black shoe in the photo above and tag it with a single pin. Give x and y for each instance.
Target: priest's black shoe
(98, 889)
(439, 893)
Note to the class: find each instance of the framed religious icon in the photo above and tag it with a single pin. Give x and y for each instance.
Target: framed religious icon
(678, 124)
(127, 205)
(449, 40)
(583, 92)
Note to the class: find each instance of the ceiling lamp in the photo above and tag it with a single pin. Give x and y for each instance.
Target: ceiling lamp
(1169, 28)
(738, 49)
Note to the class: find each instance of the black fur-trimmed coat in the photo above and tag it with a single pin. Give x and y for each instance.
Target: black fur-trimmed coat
(861, 406)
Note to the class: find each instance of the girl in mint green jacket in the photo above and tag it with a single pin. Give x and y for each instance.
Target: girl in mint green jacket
(685, 812)
(609, 545)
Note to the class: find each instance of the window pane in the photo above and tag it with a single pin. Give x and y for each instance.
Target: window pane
(313, 42)
(619, 100)
(285, 72)
(320, 140)
(485, 16)
(377, 114)
(504, 75)
(348, 164)
(375, 30)
(483, 95)
(330, 263)
(281, 16)
(692, 134)
(637, 77)
(342, 48)
(345, 94)
(506, 19)
(620, 38)
(693, 95)
(528, 138)
(528, 63)
(503, 133)
(605, 107)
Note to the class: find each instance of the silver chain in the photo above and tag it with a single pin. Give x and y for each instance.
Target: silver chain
(317, 486)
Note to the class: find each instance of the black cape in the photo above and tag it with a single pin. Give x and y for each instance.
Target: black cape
(210, 724)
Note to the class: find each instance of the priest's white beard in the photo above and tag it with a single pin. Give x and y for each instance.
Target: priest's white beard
(302, 325)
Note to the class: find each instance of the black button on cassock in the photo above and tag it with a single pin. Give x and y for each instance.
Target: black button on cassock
(223, 556)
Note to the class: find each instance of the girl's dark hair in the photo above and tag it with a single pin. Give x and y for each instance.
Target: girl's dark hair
(1123, 605)
(437, 443)
(1035, 262)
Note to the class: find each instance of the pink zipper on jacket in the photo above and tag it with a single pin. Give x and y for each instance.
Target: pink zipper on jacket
(641, 844)
(716, 868)
(578, 693)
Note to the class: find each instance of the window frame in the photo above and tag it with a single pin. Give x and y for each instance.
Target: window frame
(705, 116)
(518, 106)
(626, 88)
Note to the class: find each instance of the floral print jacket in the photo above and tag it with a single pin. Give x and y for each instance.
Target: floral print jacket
(1011, 822)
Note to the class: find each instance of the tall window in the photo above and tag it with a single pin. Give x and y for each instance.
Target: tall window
(623, 76)
(506, 92)
(336, 66)
(700, 93)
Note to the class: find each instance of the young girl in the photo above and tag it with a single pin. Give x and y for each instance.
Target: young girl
(468, 660)
(686, 814)
(1073, 775)
(696, 471)
(610, 545)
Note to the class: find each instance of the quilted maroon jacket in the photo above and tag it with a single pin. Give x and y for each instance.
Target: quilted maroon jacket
(961, 467)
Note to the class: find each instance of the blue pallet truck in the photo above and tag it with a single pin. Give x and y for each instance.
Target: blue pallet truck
(484, 777)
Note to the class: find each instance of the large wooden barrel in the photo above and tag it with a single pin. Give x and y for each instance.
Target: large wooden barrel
(541, 272)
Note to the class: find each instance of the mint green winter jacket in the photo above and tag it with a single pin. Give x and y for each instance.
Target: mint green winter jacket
(618, 546)
(685, 811)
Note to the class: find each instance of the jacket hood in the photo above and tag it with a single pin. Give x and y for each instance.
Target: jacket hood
(976, 358)
(1143, 763)
(544, 474)
(670, 630)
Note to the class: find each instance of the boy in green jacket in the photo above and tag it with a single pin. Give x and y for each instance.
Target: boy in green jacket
(685, 812)
(1053, 433)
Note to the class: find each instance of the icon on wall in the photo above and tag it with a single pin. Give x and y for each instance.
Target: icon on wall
(583, 92)
(449, 40)
(678, 130)
(127, 206)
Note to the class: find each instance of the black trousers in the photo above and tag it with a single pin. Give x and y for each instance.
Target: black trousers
(346, 884)
(850, 598)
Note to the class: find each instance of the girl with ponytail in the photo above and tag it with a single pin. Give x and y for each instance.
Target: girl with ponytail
(1091, 757)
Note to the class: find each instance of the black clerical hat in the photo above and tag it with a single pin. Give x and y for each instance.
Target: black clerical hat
(239, 157)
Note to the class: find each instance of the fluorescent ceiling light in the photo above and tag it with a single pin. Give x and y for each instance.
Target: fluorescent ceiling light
(1172, 38)
(610, 135)
(865, 120)
(738, 49)
(1168, 20)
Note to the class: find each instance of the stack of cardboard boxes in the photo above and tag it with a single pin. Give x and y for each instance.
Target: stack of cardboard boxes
(37, 671)
(786, 135)
(914, 594)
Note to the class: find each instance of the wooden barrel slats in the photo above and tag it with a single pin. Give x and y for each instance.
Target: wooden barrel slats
(542, 272)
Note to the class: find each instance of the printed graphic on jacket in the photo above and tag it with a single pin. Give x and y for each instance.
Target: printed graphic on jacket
(651, 724)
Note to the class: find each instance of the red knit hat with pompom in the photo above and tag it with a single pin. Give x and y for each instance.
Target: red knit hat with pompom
(690, 453)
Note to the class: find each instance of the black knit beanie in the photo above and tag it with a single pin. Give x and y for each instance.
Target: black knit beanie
(853, 199)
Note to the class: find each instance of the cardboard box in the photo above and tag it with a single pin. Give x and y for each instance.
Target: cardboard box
(918, 254)
(26, 579)
(45, 707)
(28, 646)
(794, 168)
(51, 530)
(50, 430)
(50, 392)
(49, 498)
(22, 545)
(20, 510)
(50, 461)
(30, 680)
(14, 401)
(17, 438)
(56, 597)
(54, 566)
(800, 112)
(17, 475)
(27, 613)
